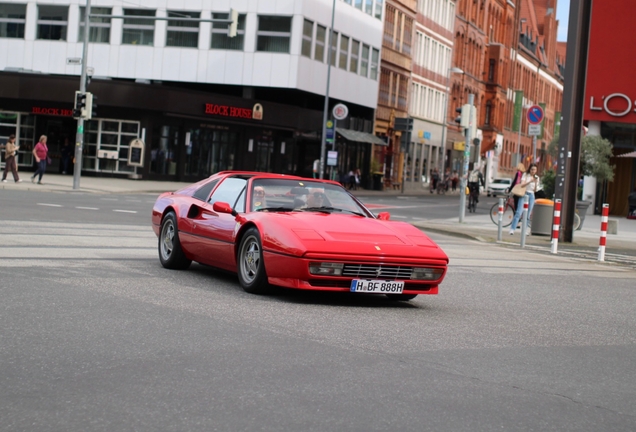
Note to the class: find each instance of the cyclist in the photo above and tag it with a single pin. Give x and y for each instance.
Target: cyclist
(475, 178)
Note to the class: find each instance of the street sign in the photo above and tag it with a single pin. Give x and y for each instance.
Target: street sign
(534, 129)
(75, 61)
(340, 112)
(332, 158)
(534, 115)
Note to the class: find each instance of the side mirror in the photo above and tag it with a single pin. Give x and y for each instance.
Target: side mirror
(385, 216)
(223, 207)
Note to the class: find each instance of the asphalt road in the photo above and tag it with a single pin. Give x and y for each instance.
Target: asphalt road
(96, 335)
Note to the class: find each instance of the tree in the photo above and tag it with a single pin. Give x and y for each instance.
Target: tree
(594, 160)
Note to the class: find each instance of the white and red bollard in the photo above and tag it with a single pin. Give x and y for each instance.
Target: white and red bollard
(604, 219)
(556, 226)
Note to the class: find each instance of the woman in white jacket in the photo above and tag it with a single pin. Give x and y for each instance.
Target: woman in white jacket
(529, 180)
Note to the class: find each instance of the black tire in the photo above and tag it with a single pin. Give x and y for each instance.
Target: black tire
(170, 253)
(250, 264)
(401, 297)
(508, 215)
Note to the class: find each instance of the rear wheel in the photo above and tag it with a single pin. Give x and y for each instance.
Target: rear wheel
(170, 253)
(401, 297)
(251, 267)
(508, 215)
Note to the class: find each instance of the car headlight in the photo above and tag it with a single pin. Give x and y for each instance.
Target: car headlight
(326, 269)
(427, 273)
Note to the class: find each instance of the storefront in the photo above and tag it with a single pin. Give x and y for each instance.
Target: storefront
(188, 134)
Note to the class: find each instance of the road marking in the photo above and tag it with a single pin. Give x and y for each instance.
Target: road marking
(109, 199)
(49, 205)
(87, 208)
(399, 217)
(125, 211)
(135, 201)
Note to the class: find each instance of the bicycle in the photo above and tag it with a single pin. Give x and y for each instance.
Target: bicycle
(473, 198)
(509, 214)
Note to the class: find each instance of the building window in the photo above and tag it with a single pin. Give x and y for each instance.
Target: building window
(364, 61)
(99, 26)
(378, 9)
(183, 33)
(113, 135)
(353, 60)
(52, 22)
(220, 38)
(358, 4)
(274, 34)
(368, 6)
(375, 57)
(321, 37)
(138, 31)
(488, 112)
(12, 20)
(491, 70)
(344, 51)
(334, 48)
(308, 34)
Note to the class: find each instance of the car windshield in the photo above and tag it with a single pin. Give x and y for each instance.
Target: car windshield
(300, 195)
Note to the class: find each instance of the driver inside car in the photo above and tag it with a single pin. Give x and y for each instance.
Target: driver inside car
(258, 198)
(316, 198)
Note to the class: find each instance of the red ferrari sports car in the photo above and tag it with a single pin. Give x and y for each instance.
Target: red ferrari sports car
(294, 232)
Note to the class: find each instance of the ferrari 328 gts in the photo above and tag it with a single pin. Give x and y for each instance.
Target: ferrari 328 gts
(294, 232)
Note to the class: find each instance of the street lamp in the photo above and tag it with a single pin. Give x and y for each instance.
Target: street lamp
(445, 121)
(323, 141)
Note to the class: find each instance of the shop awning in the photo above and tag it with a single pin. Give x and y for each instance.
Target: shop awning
(364, 137)
(630, 155)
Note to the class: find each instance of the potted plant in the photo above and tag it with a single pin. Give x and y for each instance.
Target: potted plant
(594, 161)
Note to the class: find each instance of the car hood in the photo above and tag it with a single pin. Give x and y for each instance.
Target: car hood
(305, 233)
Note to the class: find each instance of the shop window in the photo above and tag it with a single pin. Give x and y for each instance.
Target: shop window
(220, 38)
(364, 60)
(99, 26)
(344, 52)
(138, 31)
(52, 22)
(353, 60)
(22, 125)
(308, 33)
(183, 33)
(112, 135)
(12, 20)
(274, 34)
(321, 38)
(375, 58)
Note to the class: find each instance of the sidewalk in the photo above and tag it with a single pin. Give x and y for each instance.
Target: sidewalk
(620, 248)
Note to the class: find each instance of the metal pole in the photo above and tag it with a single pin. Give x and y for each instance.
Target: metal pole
(79, 136)
(464, 173)
(534, 149)
(524, 221)
(323, 142)
(444, 124)
(573, 105)
(500, 210)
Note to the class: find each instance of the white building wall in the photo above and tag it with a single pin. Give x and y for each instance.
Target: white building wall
(202, 64)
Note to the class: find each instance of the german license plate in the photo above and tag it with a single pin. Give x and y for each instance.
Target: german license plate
(377, 286)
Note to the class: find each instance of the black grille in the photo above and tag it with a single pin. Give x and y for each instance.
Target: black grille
(374, 271)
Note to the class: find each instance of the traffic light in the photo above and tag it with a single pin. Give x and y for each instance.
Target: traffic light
(80, 105)
(233, 27)
(91, 106)
(464, 116)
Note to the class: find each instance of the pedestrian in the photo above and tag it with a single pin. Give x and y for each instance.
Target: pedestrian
(521, 168)
(530, 181)
(454, 180)
(316, 168)
(66, 154)
(10, 151)
(475, 178)
(41, 154)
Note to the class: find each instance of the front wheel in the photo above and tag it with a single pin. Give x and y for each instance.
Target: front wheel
(251, 267)
(171, 255)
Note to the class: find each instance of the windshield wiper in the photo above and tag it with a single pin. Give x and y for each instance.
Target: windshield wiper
(325, 209)
(275, 209)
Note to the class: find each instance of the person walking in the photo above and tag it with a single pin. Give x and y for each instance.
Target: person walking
(529, 180)
(41, 154)
(10, 150)
(521, 168)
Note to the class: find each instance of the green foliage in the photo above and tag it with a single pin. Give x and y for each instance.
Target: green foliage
(548, 181)
(376, 167)
(595, 155)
